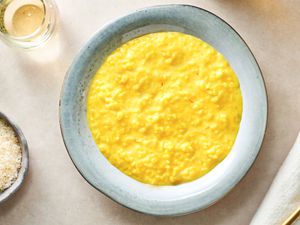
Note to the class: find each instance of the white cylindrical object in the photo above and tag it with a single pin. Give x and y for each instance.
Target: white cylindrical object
(283, 197)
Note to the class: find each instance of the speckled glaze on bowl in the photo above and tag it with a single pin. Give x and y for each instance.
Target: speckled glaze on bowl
(24, 164)
(166, 200)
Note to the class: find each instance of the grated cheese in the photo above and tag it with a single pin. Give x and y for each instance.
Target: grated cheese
(10, 156)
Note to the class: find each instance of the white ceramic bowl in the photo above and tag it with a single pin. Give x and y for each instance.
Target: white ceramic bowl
(167, 200)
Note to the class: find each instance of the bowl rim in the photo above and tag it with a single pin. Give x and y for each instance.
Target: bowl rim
(101, 29)
(23, 171)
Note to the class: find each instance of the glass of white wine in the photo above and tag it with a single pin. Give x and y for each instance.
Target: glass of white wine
(27, 23)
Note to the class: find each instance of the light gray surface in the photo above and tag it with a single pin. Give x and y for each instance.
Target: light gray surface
(168, 200)
(56, 194)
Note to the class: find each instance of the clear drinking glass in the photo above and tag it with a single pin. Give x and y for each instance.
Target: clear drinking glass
(27, 23)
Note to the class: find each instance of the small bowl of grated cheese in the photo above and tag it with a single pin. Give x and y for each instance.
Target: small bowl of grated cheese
(13, 158)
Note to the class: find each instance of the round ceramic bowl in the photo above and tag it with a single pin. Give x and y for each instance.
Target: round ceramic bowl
(164, 200)
(24, 164)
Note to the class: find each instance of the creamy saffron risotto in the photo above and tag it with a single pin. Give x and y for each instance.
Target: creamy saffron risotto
(165, 108)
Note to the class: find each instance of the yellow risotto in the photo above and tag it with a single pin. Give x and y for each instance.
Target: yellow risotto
(165, 108)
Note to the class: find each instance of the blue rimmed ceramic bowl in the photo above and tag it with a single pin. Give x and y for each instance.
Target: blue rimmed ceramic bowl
(167, 200)
(7, 193)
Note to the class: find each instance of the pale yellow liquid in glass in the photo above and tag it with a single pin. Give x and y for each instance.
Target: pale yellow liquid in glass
(27, 19)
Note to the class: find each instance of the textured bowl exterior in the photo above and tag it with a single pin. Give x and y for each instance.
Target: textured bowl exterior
(24, 164)
(166, 200)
